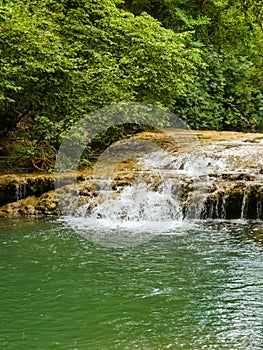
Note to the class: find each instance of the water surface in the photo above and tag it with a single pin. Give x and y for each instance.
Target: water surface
(195, 288)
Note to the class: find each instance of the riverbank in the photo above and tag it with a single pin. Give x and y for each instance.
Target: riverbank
(219, 173)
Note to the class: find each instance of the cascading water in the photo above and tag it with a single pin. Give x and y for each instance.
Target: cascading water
(20, 191)
(154, 194)
(162, 190)
(244, 205)
(139, 203)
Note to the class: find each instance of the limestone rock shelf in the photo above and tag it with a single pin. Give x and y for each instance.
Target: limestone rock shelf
(211, 174)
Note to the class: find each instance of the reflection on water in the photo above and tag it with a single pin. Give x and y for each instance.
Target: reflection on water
(198, 287)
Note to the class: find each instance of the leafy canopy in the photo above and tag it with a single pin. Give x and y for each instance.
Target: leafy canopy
(61, 60)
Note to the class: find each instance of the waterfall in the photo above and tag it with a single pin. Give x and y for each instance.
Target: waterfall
(259, 209)
(20, 191)
(244, 205)
(167, 189)
(137, 203)
(164, 190)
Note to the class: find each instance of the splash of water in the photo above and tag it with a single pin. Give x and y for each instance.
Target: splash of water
(151, 204)
(168, 190)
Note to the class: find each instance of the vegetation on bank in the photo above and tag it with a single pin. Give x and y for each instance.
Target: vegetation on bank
(61, 60)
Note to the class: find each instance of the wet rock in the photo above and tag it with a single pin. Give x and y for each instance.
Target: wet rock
(23, 207)
(47, 204)
(213, 175)
(16, 187)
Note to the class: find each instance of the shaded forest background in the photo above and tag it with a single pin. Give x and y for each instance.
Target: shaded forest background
(60, 60)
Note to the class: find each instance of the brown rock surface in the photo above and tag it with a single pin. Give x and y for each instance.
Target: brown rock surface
(232, 168)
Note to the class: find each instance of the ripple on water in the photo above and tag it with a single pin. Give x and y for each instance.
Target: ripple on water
(200, 289)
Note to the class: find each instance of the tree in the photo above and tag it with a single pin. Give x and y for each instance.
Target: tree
(228, 91)
(35, 71)
(61, 60)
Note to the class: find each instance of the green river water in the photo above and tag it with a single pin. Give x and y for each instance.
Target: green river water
(196, 288)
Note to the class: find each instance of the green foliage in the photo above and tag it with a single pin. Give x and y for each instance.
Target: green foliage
(227, 93)
(222, 98)
(178, 15)
(61, 60)
(34, 71)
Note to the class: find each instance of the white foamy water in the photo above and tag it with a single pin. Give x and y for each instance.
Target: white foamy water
(190, 165)
(152, 202)
(138, 203)
(149, 206)
(133, 216)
